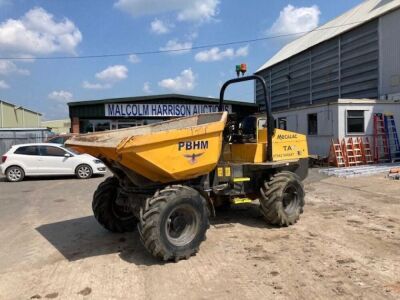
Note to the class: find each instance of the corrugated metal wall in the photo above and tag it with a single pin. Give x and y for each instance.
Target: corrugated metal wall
(343, 67)
(10, 137)
(390, 53)
(12, 116)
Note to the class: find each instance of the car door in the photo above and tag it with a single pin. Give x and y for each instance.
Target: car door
(54, 161)
(28, 157)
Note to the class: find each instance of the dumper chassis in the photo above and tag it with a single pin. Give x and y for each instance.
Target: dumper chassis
(172, 216)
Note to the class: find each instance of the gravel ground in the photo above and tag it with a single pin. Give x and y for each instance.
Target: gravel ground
(345, 246)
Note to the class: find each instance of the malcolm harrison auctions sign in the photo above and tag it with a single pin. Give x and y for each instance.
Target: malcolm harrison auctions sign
(160, 110)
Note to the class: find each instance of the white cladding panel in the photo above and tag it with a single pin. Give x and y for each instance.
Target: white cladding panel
(369, 111)
(390, 54)
(297, 121)
(332, 122)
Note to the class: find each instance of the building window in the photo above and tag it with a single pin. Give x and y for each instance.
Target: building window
(282, 123)
(355, 121)
(312, 121)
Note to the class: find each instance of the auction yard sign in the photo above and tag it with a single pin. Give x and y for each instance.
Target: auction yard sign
(160, 110)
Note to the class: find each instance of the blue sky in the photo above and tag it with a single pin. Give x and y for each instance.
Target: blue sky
(38, 28)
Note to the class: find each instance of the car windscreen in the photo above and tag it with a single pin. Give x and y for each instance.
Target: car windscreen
(57, 140)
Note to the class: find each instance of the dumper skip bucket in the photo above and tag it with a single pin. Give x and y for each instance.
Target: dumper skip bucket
(164, 152)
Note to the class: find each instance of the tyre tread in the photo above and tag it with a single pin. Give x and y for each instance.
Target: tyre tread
(150, 215)
(271, 199)
(101, 208)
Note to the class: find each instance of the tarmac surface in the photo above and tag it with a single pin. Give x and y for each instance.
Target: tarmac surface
(345, 246)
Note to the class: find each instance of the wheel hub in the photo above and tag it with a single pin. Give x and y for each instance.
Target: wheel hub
(290, 199)
(84, 171)
(14, 174)
(178, 224)
(181, 226)
(121, 212)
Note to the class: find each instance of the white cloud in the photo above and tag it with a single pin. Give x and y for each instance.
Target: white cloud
(176, 47)
(146, 88)
(8, 67)
(108, 78)
(294, 20)
(160, 27)
(38, 33)
(201, 10)
(186, 81)
(3, 85)
(113, 73)
(134, 59)
(215, 54)
(96, 86)
(61, 96)
(187, 10)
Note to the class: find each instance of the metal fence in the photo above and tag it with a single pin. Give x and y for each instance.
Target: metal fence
(10, 137)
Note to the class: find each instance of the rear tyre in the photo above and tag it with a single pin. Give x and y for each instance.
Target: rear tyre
(173, 222)
(282, 199)
(83, 171)
(107, 212)
(15, 174)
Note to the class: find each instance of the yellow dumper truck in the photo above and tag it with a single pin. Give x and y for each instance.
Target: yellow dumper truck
(169, 177)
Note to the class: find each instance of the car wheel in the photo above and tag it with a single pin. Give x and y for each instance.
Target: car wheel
(15, 174)
(84, 172)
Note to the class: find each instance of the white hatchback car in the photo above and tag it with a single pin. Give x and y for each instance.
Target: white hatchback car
(47, 160)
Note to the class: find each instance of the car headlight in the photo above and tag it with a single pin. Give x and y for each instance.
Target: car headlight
(97, 161)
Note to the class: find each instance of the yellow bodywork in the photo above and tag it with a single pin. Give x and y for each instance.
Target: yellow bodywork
(287, 145)
(184, 148)
(174, 150)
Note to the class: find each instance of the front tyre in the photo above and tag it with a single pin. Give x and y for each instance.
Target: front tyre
(173, 222)
(282, 199)
(107, 212)
(83, 171)
(15, 174)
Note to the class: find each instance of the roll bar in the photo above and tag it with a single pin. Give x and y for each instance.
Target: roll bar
(270, 118)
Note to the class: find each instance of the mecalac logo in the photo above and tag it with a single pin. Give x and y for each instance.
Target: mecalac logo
(192, 158)
(193, 145)
(286, 136)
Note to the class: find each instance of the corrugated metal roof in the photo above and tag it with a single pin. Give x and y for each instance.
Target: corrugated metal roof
(21, 107)
(366, 11)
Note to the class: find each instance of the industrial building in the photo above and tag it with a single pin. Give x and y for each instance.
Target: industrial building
(19, 125)
(117, 113)
(62, 126)
(15, 116)
(330, 82)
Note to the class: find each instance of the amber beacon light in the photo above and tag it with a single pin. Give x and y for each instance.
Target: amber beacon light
(241, 69)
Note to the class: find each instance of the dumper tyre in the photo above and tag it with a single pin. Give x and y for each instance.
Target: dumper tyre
(107, 212)
(282, 199)
(173, 222)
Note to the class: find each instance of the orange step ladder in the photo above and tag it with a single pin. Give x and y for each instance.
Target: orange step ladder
(357, 150)
(349, 152)
(366, 150)
(336, 154)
